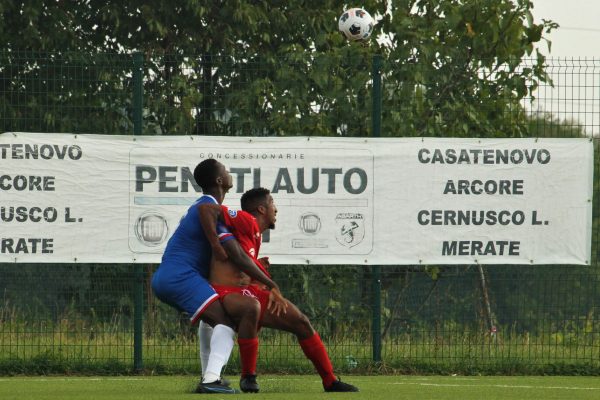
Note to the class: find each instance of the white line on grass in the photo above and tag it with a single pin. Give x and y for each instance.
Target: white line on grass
(498, 386)
(74, 378)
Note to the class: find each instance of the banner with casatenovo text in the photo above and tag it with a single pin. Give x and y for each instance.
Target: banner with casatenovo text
(117, 199)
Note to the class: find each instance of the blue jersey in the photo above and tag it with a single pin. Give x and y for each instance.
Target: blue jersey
(189, 248)
(181, 280)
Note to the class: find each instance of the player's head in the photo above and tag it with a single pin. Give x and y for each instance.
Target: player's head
(259, 202)
(210, 174)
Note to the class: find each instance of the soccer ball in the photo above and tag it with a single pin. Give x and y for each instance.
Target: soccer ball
(356, 24)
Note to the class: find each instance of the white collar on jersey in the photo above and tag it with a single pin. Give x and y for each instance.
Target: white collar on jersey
(208, 195)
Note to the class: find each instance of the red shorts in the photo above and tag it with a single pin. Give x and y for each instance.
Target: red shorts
(251, 291)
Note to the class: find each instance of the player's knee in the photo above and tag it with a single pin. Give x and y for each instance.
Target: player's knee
(303, 325)
(252, 310)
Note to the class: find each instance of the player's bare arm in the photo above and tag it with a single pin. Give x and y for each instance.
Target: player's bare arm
(240, 259)
(224, 273)
(210, 214)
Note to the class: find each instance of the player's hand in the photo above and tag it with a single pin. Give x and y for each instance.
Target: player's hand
(277, 303)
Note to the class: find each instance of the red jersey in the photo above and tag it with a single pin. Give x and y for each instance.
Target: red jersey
(244, 227)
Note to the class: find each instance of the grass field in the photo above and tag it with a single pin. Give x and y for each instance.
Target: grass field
(293, 387)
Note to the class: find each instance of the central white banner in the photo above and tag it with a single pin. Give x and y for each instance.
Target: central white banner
(117, 199)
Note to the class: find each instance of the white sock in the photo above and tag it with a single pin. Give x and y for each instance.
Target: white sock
(221, 345)
(204, 334)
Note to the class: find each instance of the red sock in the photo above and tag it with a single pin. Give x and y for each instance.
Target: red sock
(248, 355)
(315, 351)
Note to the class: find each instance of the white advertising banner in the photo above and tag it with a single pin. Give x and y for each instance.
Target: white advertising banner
(117, 199)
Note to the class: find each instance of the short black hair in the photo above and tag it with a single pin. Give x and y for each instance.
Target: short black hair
(206, 173)
(254, 198)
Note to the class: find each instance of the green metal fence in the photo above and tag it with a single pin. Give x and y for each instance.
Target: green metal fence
(497, 319)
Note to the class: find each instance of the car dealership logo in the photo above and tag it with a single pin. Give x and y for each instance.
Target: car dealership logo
(151, 228)
(350, 229)
(309, 223)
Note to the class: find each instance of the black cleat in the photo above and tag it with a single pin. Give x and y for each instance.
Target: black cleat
(216, 387)
(225, 381)
(248, 384)
(339, 386)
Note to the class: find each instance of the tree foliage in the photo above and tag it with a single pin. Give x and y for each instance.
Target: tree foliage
(451, 67)
(461, 68)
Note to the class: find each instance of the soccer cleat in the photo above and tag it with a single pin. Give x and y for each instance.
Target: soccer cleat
(248, 384)
(225, 381)
(339, 386)
(216, 387)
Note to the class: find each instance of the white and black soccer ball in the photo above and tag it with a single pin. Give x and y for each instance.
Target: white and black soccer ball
(356, 24)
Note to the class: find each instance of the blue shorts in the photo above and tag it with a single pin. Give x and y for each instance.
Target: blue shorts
(185, 290)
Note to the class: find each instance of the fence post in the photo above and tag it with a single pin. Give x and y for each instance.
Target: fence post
(138, 92)
(376, 278)
(138, 279)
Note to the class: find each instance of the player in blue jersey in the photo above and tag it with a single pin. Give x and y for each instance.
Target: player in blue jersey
(182, 277)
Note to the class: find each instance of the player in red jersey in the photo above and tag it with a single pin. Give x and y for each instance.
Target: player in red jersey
(245, 300)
